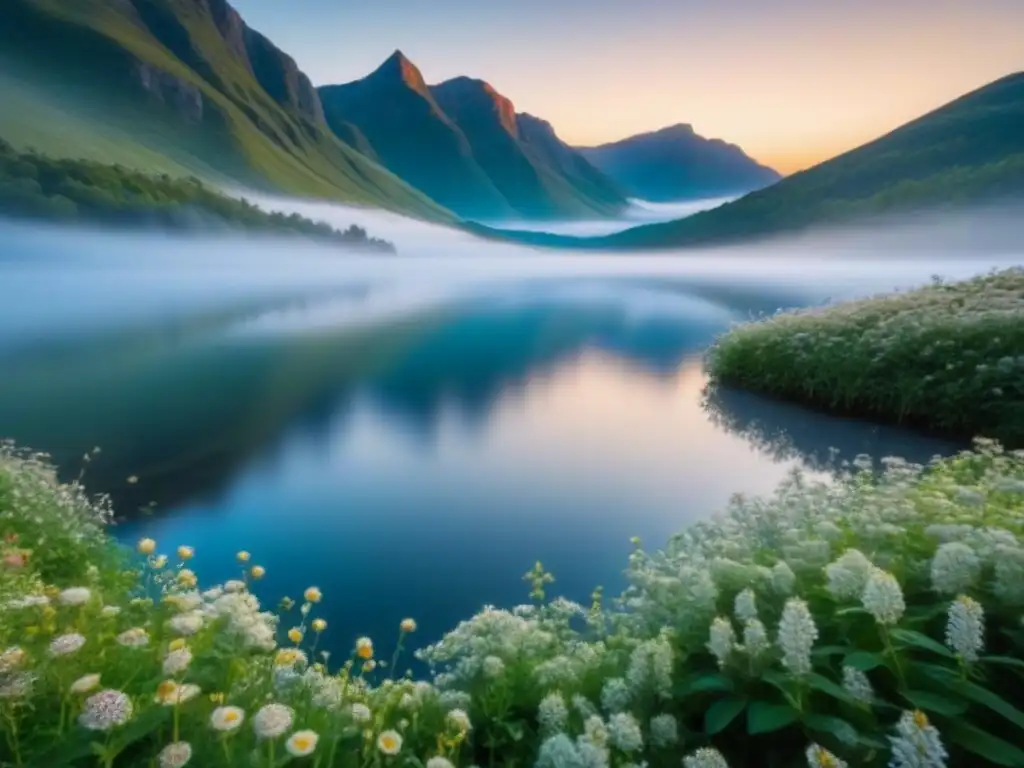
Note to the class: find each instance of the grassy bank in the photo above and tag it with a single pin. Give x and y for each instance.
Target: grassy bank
(872, 622)
(947, 357)
(39, 187)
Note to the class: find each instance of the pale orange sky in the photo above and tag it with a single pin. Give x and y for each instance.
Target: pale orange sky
(791, 81)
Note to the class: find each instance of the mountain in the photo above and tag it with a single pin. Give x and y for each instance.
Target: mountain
(182, 86)
(463, 144)
(968, 152)
(676, 163)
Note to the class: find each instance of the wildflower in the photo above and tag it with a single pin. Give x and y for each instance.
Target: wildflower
(313, 595)
(216, 698)
(917, 743)
(132, 479)
(187, 578)
(745, 605)
(177, 661)
(187, 623)
(136, 637)
(558, 751)
(705, 757)
(408, 625)
(819, 757)
(955, 568)
(389, 742)
(364, 648)
(159, 562)
(783, 578)
(175, 755)
(319, 625)
(624, 732)
(109, 611)
(369, 666)
(594, 730)
(242, 557)
(664, 731)
(460, 720)
(848, 575)
(185, 553)
(65, 644)
(493, 667)
(1009, 575)
(11, 659)
(965, 628)
(272, 721)
(29, 601)
(755, 638)
(85, 683)
(439, 762)
(302, 743)
(797, 633)
(16, 686)
(226, 718)
(295, 635)
(650, 666)
(234, 585)
(146, 546)
(552, 713)
(177, 644)
(105, 710)
(258, 572)
(883, 597)
(288, 657)
(74, 596)
(722, 640)
(170, 693)
(361, 713)
(856, 684)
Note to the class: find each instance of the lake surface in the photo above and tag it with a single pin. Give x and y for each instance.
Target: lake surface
(411, 434)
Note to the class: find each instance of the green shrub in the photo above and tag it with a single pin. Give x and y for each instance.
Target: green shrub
(870, 621)
(948, 357)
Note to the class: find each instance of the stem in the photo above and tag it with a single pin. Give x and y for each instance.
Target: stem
(13, 738)
(176, 718)
(270, 751)
(895, 658)
(394, 656)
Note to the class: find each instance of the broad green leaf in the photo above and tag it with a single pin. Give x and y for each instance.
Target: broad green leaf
(983, 744)
(852, 611)
(824, 651)
(766, 718)
(864, 661)
(703, 684)
(825, 685)
(722, 713)
(916, 639)
(988, 699)
(838, 727)
(934, 702)
(1007, 660)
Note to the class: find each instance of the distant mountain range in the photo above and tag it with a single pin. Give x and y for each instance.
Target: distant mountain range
(968, 152)
(675, 163)
(463, 144)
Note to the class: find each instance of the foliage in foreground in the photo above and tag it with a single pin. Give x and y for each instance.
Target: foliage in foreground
(872, 621)
(947, 357)
(63, 190)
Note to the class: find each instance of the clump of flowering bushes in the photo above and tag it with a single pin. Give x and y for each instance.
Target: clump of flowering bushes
(871, 621)
(949, 357)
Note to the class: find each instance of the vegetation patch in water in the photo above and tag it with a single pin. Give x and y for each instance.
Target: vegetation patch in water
(948, 357)
(873, 621)
(36, 186)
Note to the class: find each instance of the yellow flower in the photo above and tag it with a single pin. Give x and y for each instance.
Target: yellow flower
(159, 562)
(258, 571)
(295, 635)
(408, 625)
(243, 556)
(364, 648)
(217, 698)
(166, 691)
(146, 546)
(313, 595)
(302, 743)
(187, 578)
(389, 742)
(176, 644)
(319, 625)
(288, 657)
(185, 553)
(369, 666)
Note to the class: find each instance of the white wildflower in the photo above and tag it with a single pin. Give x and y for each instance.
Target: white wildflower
(361, 713)
(650, 667)
(664, 731)
(856, 683)
(493, 667)
(917, 743)
(175, 755)
(389, 742)
(796, 636)
(66, 644)
(302, 743)
(883, 597)
(227, 718)
(439, 762)
(187, 623)
(85, 683)
(558, 751)
(74, 596)
(273, 720)
(234, 585)
(755, 638)
(169, 693)
(177, 661)
(819, 757)
(552, 713)
(29, 601)
(624, 732)
(136, 637)
(722, 640)
(105, 710)
(745, 605)
(583, 706)
(965, 628)
(1009, 575)
(109, 611)
(955, 568)
(17, 685)
(615, 695)
(783, 578)
(705, 757)
(848, 575)
(460, 720)
(595, 731)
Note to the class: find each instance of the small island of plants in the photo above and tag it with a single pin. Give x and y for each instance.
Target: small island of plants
(872, 621)
(948, 357)
(61, 190)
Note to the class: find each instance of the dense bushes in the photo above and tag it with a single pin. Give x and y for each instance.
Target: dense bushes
(949, 357)
(63, 190)
(872, 621)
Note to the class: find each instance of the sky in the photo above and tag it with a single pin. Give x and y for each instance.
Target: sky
(793, 82)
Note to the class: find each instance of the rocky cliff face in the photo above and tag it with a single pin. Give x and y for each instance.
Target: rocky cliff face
(281, 77)
(183, 97)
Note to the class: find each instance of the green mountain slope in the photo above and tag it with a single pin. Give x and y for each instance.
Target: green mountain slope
(186, 80)
(462, 143)
(968, 152)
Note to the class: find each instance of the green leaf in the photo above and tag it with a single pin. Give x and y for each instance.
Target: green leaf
(838, 727)
(852, 611)
(766, 718)
(1007, 660)
(703, 684)
(983, 744)
(988, 699)
(916, 639)
(824, 651)
(825, 685)
(864, 660)
(933, 702)
(723, 712)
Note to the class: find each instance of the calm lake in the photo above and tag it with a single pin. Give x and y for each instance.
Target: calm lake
(411, 433)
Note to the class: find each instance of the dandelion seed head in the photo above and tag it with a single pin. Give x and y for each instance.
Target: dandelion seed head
(105, 710)
(66, 644)
(272, 720)
(175, 755)
(74, 596)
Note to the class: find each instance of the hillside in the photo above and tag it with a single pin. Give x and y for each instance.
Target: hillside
(675, 163)
(968, 152)
(464, 145)
(185, 85)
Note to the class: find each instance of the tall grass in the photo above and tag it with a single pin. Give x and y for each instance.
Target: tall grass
(949, 357)
(871, 621)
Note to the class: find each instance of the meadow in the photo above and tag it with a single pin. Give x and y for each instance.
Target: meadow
(871, 621)
(946, 357)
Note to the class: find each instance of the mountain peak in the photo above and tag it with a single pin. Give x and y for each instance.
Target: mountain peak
(469, 92)
(398, 67)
